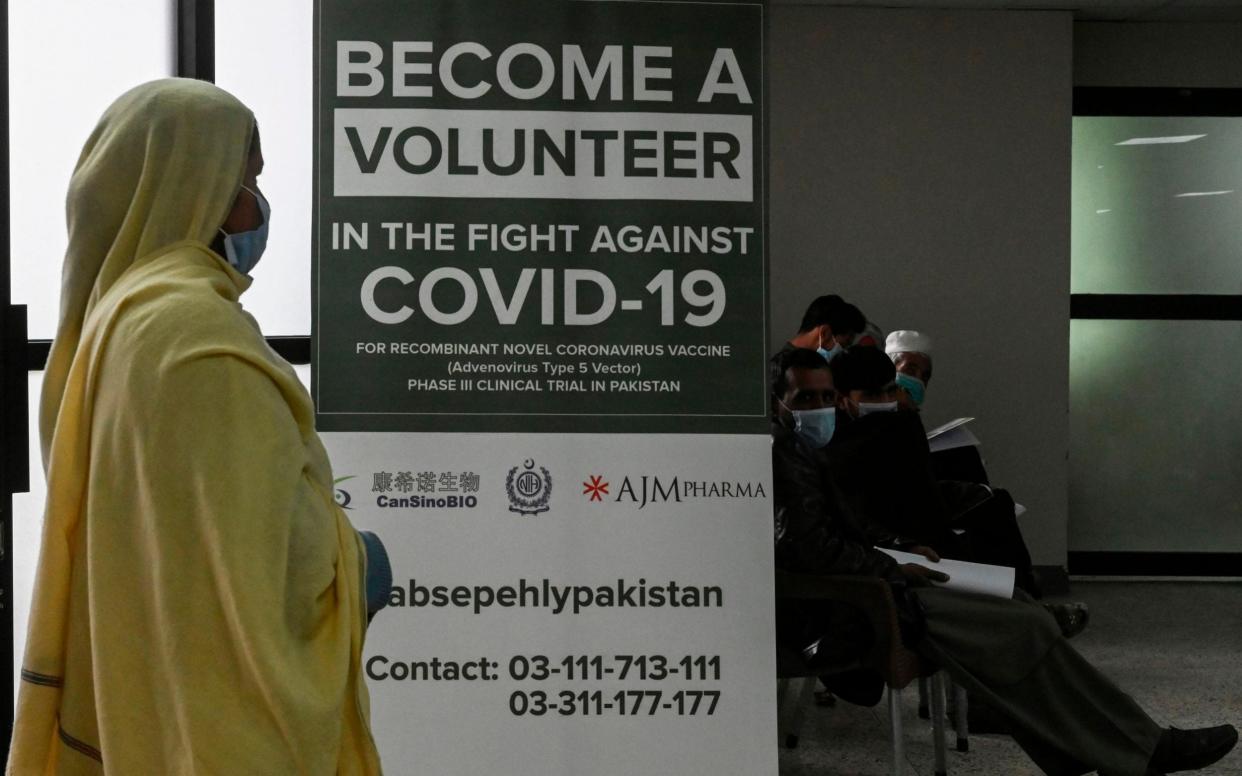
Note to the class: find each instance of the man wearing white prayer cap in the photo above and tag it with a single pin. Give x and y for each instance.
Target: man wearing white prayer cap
(911, 352)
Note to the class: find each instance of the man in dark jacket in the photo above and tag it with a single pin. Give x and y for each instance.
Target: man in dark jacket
(911, 352)
(844, 545)
(1065, 714)
(880, 459)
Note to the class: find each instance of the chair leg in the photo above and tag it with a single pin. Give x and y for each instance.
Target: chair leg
(793, 707)
(923, 712)
(894, 714)
(961, 720)
(937, 710)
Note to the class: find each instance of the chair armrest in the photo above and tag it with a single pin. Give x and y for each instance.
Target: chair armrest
(870, 595)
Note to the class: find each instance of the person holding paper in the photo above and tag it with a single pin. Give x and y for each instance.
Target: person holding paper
(880, 461)
(1068, 717)
(200, 599)
(911, 352)
(800, 624)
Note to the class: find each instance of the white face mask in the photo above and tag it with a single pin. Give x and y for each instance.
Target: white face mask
(866, 407)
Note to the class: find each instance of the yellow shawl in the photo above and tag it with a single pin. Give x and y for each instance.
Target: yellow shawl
(198, 606)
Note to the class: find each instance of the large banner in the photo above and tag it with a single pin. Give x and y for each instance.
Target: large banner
(540, 288)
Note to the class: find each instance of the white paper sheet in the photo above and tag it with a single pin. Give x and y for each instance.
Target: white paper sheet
(952, 424)
(964, 576)
(954, 437)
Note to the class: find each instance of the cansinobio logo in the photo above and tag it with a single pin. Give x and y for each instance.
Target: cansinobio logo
(341, 495)
(425, 489)
(427, 502)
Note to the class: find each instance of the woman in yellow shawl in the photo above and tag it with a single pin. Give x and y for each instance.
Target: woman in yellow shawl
(200, 600)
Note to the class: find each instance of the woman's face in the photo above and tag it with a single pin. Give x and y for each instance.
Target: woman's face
(245, 214)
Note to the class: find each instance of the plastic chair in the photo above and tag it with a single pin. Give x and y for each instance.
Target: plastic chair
(896, 664)
(958, 694)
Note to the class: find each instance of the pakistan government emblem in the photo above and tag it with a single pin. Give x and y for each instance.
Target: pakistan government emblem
(528, 491)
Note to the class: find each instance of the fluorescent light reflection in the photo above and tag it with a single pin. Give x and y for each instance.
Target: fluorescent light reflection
(1106, 210)
(1204, 193)
(1159, 140)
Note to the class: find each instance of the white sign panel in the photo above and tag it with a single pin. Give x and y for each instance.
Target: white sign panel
(574, 604)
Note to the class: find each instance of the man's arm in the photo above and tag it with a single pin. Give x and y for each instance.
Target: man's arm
(817, 536)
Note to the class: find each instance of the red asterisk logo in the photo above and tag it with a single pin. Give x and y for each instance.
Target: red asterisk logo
(595, 487)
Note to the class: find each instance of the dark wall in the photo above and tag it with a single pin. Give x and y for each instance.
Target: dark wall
(921, 168)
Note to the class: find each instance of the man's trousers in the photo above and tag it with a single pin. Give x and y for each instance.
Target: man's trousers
(1068, 717)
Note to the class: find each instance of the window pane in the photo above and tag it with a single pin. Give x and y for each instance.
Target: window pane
(1155, 205)
(263, 55)
(1155, 436)
(28, 525)
(68, 60)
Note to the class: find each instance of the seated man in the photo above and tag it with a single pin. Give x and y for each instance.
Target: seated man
(911, 352)
(911, 355)
(829, 326)
(880, 461)
(1066, 715)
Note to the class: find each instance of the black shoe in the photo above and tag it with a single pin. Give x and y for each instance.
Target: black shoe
(1072, 618)
(1190, 750)
(861, 687)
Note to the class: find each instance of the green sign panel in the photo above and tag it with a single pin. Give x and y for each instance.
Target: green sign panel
(540, 217)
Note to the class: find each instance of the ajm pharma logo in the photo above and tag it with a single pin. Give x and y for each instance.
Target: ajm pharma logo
(644, 489)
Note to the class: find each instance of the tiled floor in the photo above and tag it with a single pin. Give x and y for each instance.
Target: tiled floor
(1176, 647)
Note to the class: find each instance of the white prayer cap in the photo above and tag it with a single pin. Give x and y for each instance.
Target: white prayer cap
(906, 341)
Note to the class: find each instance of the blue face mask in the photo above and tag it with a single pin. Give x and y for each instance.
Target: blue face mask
(815, 426)
(913, 386)
(830, 354)
(244, 249)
